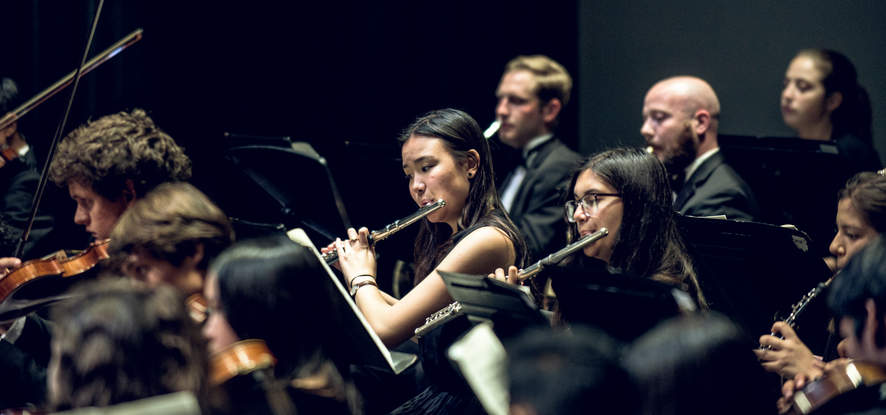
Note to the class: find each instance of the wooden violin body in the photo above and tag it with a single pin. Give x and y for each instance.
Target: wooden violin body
(837, 381)
(34, 272)
(240, 358)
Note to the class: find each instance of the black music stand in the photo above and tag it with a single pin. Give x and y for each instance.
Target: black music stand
(623, 306)
(754, 272)
(795, 181)
(287, 186)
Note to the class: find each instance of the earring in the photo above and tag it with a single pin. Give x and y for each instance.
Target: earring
(470, 175)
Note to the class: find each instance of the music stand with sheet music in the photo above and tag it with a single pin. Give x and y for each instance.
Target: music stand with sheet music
(364, 346)
(753, 272)
(795, 181)
(300, 195)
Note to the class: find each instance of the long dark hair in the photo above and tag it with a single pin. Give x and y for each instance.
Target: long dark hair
(854, 115)
(867, 192)
(648, 243)
(461, 134)
(264, 280)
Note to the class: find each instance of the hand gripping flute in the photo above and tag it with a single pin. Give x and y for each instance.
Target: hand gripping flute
(331, 257)
(452, 310)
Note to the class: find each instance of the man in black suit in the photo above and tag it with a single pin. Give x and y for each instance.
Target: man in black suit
(680, 120)
(532, 93)
(18, 173)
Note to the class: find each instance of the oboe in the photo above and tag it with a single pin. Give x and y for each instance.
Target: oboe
(453, 310)
(331, 257)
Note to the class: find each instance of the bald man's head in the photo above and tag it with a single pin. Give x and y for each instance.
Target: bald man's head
(680, 120)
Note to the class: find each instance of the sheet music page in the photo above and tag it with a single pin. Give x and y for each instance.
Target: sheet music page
(482, 361)
(299, 236)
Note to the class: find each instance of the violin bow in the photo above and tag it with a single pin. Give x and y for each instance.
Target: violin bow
(74, 77)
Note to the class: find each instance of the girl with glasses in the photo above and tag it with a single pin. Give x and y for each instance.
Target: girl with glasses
(626, 190)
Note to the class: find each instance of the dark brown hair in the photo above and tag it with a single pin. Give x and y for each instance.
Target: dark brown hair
(170, 222)
(105, 153)
(648, 243)
(120, 340)
(867, 193)
(854, 115)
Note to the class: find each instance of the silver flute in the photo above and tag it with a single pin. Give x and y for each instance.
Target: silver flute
(331, 257)
(558, 256)
(455, 309)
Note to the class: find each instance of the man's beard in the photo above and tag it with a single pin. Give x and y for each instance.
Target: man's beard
(683, 155)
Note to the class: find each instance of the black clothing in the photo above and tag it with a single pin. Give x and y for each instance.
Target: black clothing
(448, 392)
(23, 365)
(18, 182)
(859, 155)
(537, 209)
(716, 189)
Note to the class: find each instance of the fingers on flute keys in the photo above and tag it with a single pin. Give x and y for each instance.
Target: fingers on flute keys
(510, 277)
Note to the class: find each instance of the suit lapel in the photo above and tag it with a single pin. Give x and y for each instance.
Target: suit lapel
(698, 178)
(533, 163)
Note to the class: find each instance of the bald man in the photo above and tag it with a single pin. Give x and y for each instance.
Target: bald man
(680, 120)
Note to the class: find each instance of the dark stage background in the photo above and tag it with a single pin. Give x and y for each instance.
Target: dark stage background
(348, 76)
(344, 76)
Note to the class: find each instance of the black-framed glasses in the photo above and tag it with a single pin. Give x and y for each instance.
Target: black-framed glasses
(589, 204)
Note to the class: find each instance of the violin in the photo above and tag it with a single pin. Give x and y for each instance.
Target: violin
(240, 358)
(843, 378)
(57, 264)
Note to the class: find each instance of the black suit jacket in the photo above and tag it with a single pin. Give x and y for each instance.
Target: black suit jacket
(537, 209)
(23, 365)
(18, 182)
(716, 189)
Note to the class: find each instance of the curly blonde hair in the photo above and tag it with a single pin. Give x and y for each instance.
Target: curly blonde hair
(103, 154)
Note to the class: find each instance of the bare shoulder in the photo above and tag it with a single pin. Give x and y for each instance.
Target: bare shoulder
(487, 235)
(481, 251)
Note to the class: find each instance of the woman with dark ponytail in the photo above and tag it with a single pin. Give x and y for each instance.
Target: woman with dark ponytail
(822, 100)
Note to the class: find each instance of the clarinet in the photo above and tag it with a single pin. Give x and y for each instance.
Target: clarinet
(331, 257)
(799, 306)
(455, 309)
